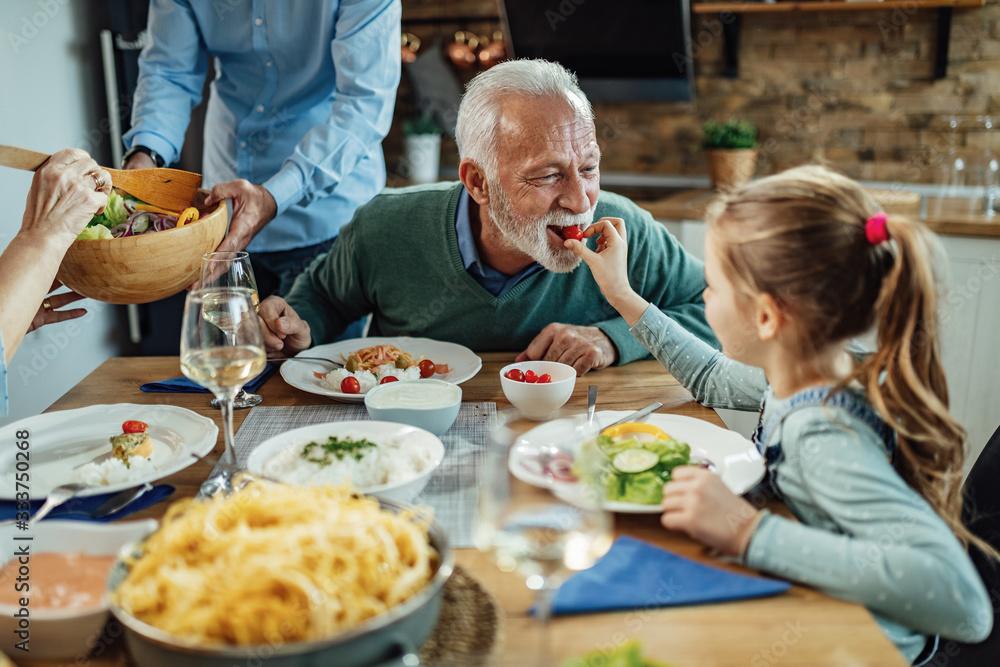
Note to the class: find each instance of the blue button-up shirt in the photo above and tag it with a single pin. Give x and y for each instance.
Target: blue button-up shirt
(493, 281)
(302, 98)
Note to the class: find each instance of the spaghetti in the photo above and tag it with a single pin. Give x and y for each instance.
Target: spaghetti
(273, 564)
(370, 358)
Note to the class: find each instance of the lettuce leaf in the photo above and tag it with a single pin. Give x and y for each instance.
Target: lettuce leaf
(115, 212)
(628, 654)
(94, 233)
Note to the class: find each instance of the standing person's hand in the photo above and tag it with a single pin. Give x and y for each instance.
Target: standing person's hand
(253, 207)
(140, 160)
(66, 192)
(609, 266)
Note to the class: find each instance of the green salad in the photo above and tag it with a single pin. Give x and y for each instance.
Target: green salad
(628, 654)
(633, 462)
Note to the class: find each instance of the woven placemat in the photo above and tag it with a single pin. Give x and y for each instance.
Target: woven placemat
(470, 629)
(452, 489)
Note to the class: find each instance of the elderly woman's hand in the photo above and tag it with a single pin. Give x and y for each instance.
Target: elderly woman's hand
(66, 192)
(49, 313)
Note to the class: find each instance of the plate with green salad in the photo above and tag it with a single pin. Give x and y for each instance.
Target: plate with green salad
(629, 463)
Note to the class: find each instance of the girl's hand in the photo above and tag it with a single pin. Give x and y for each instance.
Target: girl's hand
(609, 266)
(697, 502)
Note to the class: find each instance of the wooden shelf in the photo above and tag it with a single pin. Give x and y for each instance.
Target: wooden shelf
(731, 27)
(831, 6)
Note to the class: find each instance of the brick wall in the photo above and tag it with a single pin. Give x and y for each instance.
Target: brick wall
(853, 89)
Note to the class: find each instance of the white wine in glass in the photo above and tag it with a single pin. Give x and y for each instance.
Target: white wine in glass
(229, 269)
(222, 359)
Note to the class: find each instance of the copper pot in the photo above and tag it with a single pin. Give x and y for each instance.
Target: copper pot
(462, 50)
(492, 51)
(409, 46)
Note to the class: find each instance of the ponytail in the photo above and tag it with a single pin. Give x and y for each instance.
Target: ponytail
(905, 381)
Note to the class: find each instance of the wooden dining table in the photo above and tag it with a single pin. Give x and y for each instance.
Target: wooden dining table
(800, 627)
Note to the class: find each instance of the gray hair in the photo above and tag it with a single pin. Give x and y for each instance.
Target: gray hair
(478, 113)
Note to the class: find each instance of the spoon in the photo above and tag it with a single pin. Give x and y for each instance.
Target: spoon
(171, 189)
(591, 404)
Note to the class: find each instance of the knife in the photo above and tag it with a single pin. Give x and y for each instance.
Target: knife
(120, 500)
(636, 416)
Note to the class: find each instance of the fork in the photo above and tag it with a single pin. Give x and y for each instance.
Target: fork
(56, 497)
(335, 364)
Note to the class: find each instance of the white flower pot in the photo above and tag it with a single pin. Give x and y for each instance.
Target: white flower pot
(423, 157)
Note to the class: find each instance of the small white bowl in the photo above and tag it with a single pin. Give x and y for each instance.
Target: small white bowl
(434, 418)
(72, 633)
(539, 401)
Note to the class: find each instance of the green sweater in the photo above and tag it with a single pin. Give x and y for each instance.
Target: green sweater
(398, 259)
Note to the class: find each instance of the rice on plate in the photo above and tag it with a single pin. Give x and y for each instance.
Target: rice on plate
(382, 458)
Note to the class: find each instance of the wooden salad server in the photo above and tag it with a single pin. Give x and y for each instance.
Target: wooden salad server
(170, 189)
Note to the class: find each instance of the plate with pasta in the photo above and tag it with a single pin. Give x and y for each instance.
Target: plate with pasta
(369, 362)
(282, 574)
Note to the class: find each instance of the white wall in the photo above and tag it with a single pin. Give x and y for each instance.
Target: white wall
(52, 98)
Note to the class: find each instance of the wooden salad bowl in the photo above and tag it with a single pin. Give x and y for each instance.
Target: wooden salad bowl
(143, 268)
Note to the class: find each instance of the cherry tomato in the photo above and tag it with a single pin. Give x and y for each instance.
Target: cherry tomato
(572, 232)
(426, 368)
(389, 378)
(350, 385)
(515, 374)
(544, 378)
(530, 377)
(134, 426)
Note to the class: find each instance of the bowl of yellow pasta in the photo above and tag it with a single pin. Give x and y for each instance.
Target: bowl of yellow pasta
(282, 575)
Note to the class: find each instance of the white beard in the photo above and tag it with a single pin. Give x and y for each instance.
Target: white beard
(530, 236)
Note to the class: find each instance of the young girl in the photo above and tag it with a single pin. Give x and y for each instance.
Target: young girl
(865, 454)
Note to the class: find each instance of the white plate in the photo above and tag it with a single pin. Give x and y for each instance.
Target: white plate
(463, 364)
(737, 460)
(61, 441)
(376, 431)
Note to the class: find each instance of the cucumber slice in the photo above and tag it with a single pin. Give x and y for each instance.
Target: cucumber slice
(634, 460)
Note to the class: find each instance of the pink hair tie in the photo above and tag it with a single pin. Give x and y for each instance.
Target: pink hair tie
(876, 230)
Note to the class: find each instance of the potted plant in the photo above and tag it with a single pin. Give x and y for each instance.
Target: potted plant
(732, 152)
(423, 148)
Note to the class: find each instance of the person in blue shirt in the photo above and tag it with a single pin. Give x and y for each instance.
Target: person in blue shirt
(302, 98)
(66, 192)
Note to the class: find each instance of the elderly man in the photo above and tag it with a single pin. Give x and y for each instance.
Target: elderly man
(482, 262)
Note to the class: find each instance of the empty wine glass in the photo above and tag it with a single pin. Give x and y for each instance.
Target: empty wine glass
(222, 347)
(539, 535)
(231, 269)
(954, 173)
(988, 167)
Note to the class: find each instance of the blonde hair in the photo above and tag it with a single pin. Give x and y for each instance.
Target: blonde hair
(799, 236)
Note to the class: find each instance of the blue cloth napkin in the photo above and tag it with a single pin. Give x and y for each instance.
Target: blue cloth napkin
(79, 508)
(181, 385)
(635, 575)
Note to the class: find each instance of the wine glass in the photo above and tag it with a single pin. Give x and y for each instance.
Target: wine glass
(231, 269)
(540, 535)
(222, 347)
(988, 168)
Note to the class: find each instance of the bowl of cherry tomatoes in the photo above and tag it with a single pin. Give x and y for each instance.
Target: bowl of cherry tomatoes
(538, 388)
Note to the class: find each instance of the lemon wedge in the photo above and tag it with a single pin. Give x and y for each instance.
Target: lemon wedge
(635, 428)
